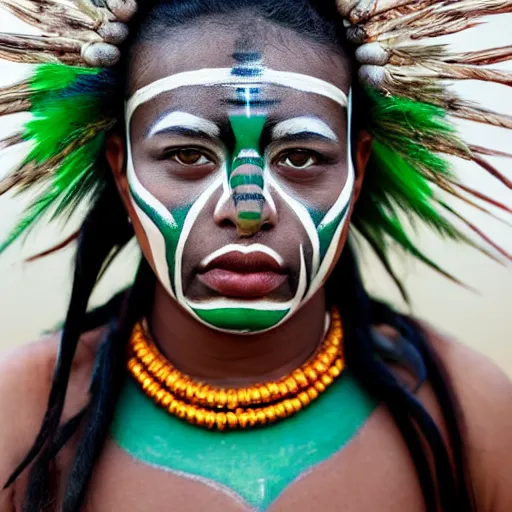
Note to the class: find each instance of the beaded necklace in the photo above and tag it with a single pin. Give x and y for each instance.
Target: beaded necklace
(214, 408)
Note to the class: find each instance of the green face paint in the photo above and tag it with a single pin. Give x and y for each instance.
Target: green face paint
(248, 189)
(272, 458)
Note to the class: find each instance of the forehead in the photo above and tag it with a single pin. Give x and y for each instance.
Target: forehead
(213, 43)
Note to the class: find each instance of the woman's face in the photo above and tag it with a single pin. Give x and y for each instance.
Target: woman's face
(238, 175)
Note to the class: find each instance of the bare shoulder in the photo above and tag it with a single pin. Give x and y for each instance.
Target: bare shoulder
(25, 380)
(484, 393)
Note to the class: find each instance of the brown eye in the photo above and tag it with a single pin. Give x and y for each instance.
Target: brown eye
(190, 157)
(298, 159)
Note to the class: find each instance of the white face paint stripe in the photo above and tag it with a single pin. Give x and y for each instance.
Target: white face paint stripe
(336, 209)
(190, 220)
(187, 121)
(305, 218)
(157, 246)
(244, 249)
(303, 124)
(223, 76)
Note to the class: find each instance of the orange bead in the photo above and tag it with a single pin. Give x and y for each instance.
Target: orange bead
(319, 367)
(243, 419)
(222, 398)
(319, 386)
(191, 414)
(310, 374)
(291, 385)
(209, 419)
(253, 419)
(270, 414)
(304, 398)
(160, 394)
(273, 389)
(166, 400)
(326, 380)
(288, 407)
(232, 419)
(255, 395)
(280, 410)
(300, 379)
(221, 421)
(296, 404)
(283, 390)
(312, 393)
(260, 415)
(199, 417)
(264, 393)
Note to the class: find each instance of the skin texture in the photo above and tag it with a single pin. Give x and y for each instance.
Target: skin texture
(372, 471)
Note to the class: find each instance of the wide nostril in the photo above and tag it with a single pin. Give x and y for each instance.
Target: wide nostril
(227, 223)
(266, 226)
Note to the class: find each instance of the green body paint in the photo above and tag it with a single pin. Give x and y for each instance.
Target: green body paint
(257, 465)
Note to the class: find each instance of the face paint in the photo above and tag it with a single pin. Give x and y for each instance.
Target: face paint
(247, 185)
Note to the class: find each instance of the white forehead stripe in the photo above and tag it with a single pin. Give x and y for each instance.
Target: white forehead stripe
(224, 77)
(304, 124)
(185, 120)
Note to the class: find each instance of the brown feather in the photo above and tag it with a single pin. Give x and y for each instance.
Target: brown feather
(68, 241)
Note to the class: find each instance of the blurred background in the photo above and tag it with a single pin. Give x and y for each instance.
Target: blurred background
(33, 296)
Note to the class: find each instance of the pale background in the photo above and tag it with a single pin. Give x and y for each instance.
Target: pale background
(33, 296)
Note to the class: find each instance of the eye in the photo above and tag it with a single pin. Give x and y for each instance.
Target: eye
(190, 157)
(298, 159)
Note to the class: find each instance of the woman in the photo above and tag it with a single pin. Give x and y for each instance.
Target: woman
(247, 368)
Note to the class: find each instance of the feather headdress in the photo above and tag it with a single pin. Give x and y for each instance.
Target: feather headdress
(71, 90)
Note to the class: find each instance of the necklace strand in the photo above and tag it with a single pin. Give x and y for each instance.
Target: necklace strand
(219, 408)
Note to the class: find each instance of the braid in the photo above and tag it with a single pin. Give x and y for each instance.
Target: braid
(104, 229)
(105, 386)
(359, 313)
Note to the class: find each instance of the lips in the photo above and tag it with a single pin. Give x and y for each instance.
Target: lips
(245, 276)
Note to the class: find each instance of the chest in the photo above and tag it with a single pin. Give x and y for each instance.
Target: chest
(329, 457)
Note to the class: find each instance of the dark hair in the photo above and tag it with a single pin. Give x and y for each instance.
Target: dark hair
(105, 231)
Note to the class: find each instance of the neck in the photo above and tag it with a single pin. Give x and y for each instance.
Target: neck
(231, 360)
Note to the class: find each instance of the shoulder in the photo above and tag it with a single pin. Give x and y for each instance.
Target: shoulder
(25, 381)
(484, 395)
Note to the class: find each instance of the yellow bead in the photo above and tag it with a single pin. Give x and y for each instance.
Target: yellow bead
(223, 398)
(255, 395)
(273, 389)
(147, 382)
(181, 412)
(209, 419)
(319, 386)
(202, 393)
(232, 399)
(326, 380)
(253, 419)
(171, 379)
(304, 398)
(291, 385)
(319, 367)
(296, 404)
(280, 410)
(334, 372)
(166, 400)
(300, 379)
(288, 407)
(310, 374)
(173, 408)
(243, 419)
(270, 414)
(221, 421)
(199, 417)
(210, 398)
(191, 414)
(232, 419)
(160, 394)
(312, 393)
(262, 419)
(283, 390)
(190, 391)
(152, 389)
(264, 393)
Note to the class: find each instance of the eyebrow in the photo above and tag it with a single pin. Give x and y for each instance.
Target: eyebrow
(302, 126)
(184, 122)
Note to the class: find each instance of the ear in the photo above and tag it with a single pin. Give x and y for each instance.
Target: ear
(363, 151)
(115, 153)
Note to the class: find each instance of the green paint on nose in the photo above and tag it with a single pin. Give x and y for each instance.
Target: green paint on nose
(246, 179)
(247, 131)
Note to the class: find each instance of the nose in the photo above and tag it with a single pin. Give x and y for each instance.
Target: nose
(247, 208)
